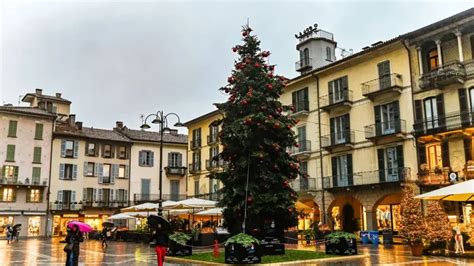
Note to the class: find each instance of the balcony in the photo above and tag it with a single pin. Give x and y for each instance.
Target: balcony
(448, 122)
(301, 108)
(23, 181)
(194, 168)
(211, 140)
(304, 184)
(175, 170)
(390, 84)
(304, 65)
(212, 165)
(469, 68)
(448, 74)
(104, 204)
(377, 177)
(195, 144)
(303, 150)
(65, 206)
(386, 132)
(155, 198)
(210, 196)
(336, 102)
(434, 177)
(338, 141)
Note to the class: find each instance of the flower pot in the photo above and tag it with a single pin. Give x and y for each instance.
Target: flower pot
(237, 254)
(416, 249)
(176, 249)
(342, 247)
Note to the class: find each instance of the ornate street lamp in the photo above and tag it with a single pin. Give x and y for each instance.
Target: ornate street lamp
(161, 119)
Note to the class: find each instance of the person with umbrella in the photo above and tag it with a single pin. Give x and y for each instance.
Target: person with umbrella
(73, 239)
(160, 237)
(9, 234)
(16, 231)
(106, 228)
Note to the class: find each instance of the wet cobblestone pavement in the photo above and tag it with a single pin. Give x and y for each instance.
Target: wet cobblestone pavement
(49, 252)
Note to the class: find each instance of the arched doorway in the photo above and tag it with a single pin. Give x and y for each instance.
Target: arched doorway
(346, 214)
(387, 212)
(348, 220)
(308, 214)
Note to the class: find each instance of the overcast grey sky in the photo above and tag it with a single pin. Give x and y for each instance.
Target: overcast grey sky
(116, 60)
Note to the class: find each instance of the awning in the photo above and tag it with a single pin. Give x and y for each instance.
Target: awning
(34, 213)
(10, 213)
(463, 191)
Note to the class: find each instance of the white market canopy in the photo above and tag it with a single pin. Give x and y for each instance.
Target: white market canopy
(120, 216)
(463, 191)
(148, 206)
(211, 212)
(194, 203)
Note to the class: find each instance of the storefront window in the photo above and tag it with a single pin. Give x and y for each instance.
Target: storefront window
(336, 218)
(4, 220)
(388, 217)
(434, 156)
(34, 226)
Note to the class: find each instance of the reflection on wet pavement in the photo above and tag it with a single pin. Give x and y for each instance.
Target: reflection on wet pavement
(50, 252)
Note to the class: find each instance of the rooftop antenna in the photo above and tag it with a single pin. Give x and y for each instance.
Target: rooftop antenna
(19, 99)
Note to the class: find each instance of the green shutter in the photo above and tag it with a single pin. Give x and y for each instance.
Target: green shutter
(37, 155)
(12, 128)
(10, 153)
(39, 131)
(36, 175)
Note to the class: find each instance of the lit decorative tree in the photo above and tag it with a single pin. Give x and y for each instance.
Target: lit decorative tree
(438, 228)
(256, 134)
(412, 224)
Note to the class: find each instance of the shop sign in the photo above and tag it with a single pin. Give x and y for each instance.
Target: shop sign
(453, 177)
(91, 216)
(70, 215)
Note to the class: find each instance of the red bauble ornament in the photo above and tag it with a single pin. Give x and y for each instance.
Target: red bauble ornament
(234, 49)
(244, 102)
(269, 86)
(265, 53)
(286, 183)
(270, 75)
(276, 125)
(230, 79)
(257, 65)
(245, 33)
(271, 68)
(289, 126)
(279, 109)
(297, 145)
(292, 108)
(249, 199)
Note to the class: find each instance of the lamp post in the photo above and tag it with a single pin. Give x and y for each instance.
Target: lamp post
(161, 119)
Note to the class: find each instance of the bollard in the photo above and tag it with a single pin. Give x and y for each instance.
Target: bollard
(216, 249)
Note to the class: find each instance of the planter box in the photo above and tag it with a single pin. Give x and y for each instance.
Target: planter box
(237, 254)
(175, 249)
(343, 247)
(272, 247)
(387, 237)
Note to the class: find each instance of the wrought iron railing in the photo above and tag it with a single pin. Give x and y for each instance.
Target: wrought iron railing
(304, 63)
(304, 146)
(328, 100)
(175, 170)
(448, 73)
(194, 167)
(447, 122)
(212, 139)
(368, 178)
(385, 128)
(337, 138)
(382, 83)
(195, 143)
(27, 181)
(140, 198)
(304, 184)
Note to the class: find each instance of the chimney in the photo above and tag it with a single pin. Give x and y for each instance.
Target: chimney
(173, 131)
(79, 125)
(119, 124)
(72, 120)
(39, 92)
(58, 95)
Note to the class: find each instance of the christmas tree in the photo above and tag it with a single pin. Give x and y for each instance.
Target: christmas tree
(438, 228)
(256, 136)
(412, 224)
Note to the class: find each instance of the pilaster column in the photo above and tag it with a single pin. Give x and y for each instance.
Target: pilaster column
(420, 60)
(440, 56)
(371, 221)
(459, 35)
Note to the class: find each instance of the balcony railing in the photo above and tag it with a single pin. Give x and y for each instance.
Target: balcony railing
(334, 100)
(381, 85)
(195, 143)
(304, 64)
(368, 178)
(23, 181)
(469, 67)
(304, 146)
(211, 139)
(450, 73)
(214, 164)
(337, 139)
(65, 206)
(194, 167)
(175, 170)
(448, 122)
(140, 198)
(300, 108)
(385, 128)
(104, 204)
(210, 196)
(304, 184)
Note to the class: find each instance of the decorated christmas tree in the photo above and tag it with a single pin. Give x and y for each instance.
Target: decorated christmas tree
(438, 228)
(412, 224)
(256, 136)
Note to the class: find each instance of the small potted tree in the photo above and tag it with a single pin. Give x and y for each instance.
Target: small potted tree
(178, 245)
(412, 224)
(341, 243)
(242, 248)
(438, 229)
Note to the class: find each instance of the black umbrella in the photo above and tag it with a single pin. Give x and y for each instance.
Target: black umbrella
(108, 224)
(154, 221)
(17, 225)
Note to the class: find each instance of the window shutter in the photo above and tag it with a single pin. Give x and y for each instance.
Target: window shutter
(152, 158)
(60, 200)
(396, 110)
(199, 160)
(12, 126)
(293, 101)
(381, 160)
(440, 107)
(114, 173)
(400, 162)
(111, 195)
(28, 195)
(117, 195)
(421, 151)
(468, 149)
(378, 121)
(140, 158)
(332, 130)
(127, 169)
(76, 148)
(334, 171)
(85, 168)
(74, 172)
(180, 160)
(345, 86)
(100, 173)
(63, 148)
(96, 170)
(96, 149)
(170, 159)
(99, 196)
(94, 195)
(37, 155)
(73, 198)
(39, 131)
(125, 195)
(112, 151)
(15, 171)
(61, 171)
(418, 116)
(463, 107)
(305, 99)
(347, 128)
(350, 177)
(10, 153)
(84, 195)
(445, 153)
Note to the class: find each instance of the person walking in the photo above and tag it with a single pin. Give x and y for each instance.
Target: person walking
(14, 232)
(73, 239)
(161, 239)
(103, 235)
(9, 235)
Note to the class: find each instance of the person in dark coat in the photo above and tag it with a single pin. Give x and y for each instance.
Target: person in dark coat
(161, 239)
(75, 237)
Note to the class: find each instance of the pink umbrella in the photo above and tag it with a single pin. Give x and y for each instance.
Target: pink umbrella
(83, 227)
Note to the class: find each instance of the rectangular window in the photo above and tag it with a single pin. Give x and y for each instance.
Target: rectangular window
(107, 152)
(174, 159)
(196, 161)
(69, 150)
(122, 152)
(90, 169)
(174, 190)
(196, 142)
(435, 157)
(34, 195)
(431, 113)
(10, 153)
(338, 90)
(213, 133)
(433, 59)
(121, 195)
(88, 196)
(342, 170)
(196, 187)
(339, 130)
(36, 175)
(300, 100)
(304, 182)
(391, 164)
(12, 125)
(8, 194)
(106, 173)
(384, 74)
(91, 149)
(121, 171)
(146, 158)
(387, 116)
(37, 155)
(39, 131)
(68, 171)
(10, 171)
(145, 189)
